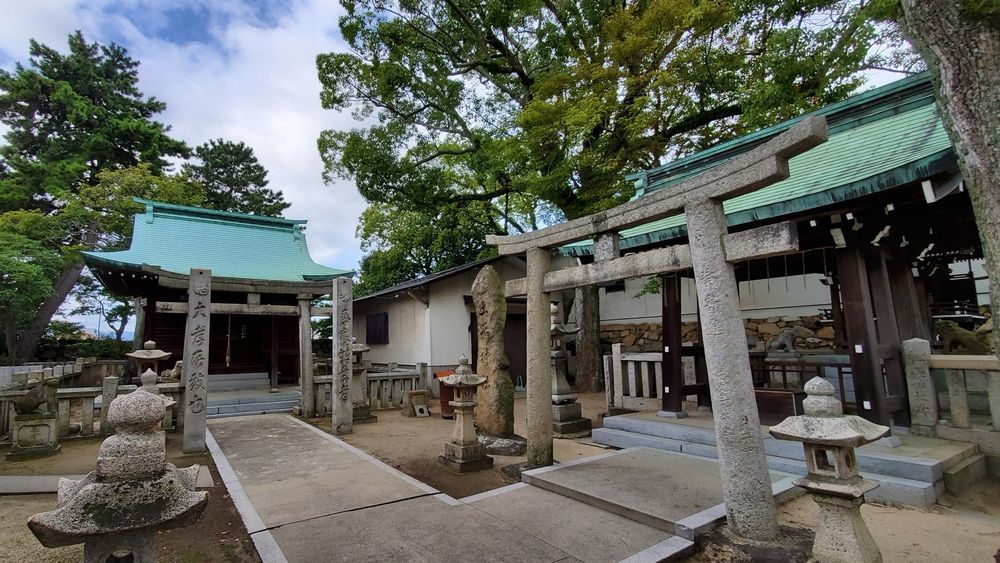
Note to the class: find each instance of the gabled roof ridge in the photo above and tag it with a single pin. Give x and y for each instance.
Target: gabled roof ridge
(843, 110)
(159, 207)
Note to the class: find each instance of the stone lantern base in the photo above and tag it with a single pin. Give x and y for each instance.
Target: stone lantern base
(568, 421)
(843, 535)
(363, 414)
(34, 436)
(460, 458)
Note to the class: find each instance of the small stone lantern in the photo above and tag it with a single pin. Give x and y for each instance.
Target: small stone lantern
(567, 413)
(464, 453)
(132, 494)
(829, 438)
(149, 357)
(359, 385)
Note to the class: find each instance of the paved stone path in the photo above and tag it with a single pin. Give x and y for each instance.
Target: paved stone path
(308, 496)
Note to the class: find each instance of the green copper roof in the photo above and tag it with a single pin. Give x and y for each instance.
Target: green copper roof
(177, 238)
(883, 138)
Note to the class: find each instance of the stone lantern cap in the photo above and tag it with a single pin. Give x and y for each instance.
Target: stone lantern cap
(358, 348)
(559, 329)
(824, 422)
(149, 353)
(463, 376)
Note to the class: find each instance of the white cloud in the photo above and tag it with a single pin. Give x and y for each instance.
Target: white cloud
(255, 83)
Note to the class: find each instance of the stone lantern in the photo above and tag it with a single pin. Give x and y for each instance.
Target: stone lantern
(117, 509)
(567, 414)
(463, 453)
(149, 357)
(829, 438)
(359, 385)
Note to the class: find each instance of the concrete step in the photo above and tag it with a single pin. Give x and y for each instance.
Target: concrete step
(912, 481)
(261, 398)
(251, 407)
(965, 474)
(234, 381)
(229, 414)
(698, 440)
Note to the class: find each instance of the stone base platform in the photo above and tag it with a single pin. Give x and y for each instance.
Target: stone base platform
(677, 493)
(465, 459)
(913, 473)
(22, 454)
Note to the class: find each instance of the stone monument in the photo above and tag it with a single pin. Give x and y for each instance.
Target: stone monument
(341, 403)
(495, 415)
(463, 453)
(116, 509)
(567, 414)
(196, 339)
(359, 385)
(829, 438)
(35, 429)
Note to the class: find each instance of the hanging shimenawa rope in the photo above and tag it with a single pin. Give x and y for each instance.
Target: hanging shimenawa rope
(229, 332)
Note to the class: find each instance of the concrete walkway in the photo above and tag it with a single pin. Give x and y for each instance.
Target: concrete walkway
(307, 496)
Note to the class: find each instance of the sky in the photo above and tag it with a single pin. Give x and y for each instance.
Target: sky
(239, 70)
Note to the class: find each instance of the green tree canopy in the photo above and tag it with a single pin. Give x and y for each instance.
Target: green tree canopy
(71, 117)
(473, 104)
(234, 179)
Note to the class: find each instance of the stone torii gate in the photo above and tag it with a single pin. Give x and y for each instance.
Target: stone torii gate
(711, 252)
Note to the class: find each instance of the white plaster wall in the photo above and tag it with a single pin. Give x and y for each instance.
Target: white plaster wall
(801, 295)
(407, 321)
(449, 315)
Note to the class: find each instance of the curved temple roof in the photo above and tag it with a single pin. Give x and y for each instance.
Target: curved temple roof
(176, 238)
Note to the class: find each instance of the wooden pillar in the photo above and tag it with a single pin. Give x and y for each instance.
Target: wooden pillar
(149, 324)
(539, 399)
(588, 342)
(274, 354)
(139, 304)
(673, 371)
(887, 304)
(909, 318)
(859, 328)
(305, 358)
(196, 339)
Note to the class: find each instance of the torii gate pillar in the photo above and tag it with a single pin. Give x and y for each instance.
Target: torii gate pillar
(737, 423)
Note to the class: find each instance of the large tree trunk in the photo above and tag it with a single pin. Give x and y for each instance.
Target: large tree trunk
(962, 51)
(27, 342)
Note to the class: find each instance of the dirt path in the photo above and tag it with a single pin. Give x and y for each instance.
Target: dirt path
(413, 445)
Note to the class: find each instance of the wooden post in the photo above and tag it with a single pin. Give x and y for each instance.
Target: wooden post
(859, 325)
(306, 359)
(673, 372)
(196, 339)
(274, 355)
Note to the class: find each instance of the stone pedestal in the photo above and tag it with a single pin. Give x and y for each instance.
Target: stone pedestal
(568, 421)
(842, 536)
(34, 436)
(463, 453)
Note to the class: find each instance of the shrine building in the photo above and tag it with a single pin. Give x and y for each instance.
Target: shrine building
(263, 284)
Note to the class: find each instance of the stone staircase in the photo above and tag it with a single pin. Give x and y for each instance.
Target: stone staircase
(238, 381)
(265, 403)
(916, 473)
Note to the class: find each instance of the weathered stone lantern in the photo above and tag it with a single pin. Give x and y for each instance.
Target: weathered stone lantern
(567, 414)
(463, 453)
(359, 385)
(829, 438)
(149, 357)
(117, 509)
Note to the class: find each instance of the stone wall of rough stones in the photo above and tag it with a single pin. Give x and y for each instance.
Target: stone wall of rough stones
(810, 333)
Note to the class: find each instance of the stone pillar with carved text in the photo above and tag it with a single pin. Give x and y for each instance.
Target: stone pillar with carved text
(196, 338)
(343, 409)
